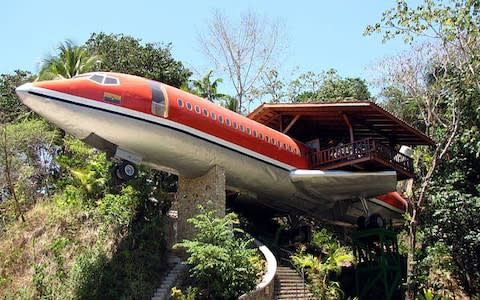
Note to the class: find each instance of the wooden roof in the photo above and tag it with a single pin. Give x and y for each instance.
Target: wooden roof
(303, 120)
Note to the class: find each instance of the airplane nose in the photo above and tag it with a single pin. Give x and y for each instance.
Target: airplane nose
(23, 90)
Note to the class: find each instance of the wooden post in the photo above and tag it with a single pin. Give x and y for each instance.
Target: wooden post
(291, 124)
(350, 128)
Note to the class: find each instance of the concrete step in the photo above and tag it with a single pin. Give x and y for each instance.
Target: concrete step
(291, 290)
(290, 285)
(293, 297)
(287, 274)
(176, 267)
(289, 282)
(288, 278)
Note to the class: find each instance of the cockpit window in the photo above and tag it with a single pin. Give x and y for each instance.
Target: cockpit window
(110, 80)
(80, 76)
(97, 78)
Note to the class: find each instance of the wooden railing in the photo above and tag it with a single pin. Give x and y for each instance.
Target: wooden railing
(366, 149)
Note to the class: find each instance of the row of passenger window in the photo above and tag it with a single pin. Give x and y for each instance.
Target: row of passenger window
(241, 127)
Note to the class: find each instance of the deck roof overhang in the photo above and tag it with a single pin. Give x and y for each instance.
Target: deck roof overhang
(365, 118)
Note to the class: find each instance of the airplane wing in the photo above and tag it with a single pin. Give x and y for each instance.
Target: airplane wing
(341, 185)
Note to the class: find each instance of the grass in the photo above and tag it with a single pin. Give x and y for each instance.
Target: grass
(65, 252)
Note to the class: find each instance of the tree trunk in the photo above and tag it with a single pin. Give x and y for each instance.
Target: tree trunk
(412, 243)
(8, 177)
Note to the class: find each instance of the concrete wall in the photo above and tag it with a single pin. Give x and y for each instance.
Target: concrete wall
(207, 190)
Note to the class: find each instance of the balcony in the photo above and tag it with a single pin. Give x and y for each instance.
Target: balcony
(366, 155)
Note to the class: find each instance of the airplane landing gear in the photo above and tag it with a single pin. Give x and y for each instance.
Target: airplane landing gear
(125, 171)
(372, 221)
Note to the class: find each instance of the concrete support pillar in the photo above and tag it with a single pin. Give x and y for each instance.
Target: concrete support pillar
(207, 190)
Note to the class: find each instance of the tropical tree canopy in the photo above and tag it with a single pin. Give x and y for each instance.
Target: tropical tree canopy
(70, 61)
(207, 88)
(438, 82)
(126, 54)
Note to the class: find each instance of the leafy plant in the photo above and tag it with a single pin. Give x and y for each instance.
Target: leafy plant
(318, 268)
(39, 280)
(428, 295)
(189, 294)
(220, 259)
(118, 208)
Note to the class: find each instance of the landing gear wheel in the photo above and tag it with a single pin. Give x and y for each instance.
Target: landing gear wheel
(374, 221)
(126, 171)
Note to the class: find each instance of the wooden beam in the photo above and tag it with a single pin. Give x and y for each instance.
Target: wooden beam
(350, 128)
(374, 130)
(292, 122)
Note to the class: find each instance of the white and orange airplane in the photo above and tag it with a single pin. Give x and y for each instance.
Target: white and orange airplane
(141, 121)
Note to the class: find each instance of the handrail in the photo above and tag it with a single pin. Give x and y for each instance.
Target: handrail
(300, 272)
(265, 288)
(365, 148)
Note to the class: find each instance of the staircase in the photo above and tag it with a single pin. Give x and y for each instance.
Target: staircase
(290, 285)
(176, 268)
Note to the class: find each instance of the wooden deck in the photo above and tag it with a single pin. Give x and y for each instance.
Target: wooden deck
(366, 154)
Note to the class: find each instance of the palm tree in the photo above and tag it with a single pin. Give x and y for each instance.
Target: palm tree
(206, 88)
(72, 60)
(229, 102)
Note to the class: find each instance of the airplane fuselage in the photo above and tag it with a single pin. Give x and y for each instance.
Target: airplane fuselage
(169, 129)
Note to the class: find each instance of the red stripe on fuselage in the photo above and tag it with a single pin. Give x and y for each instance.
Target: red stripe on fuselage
(395, 200)
(213, 126)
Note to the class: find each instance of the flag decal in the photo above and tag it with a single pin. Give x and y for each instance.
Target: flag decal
(113, 98)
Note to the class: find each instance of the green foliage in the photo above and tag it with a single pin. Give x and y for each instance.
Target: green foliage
(38, 280)
(229, 102)
(26, 148)
(444, 91)
(220, 261)
(137, 265)
(318, 268)
(431, 19)
(71, 60)
(328, 86)
(56, 247)
(118, 209)
(87, 170)
(126, 54)
(402, 105)
(206, 88)
(324, 241)
(456, 222)
(325, 86)
(428, 295)
(86, 272)
(11, 108)
(189, 294)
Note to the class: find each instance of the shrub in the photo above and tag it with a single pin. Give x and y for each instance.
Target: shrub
(220, 260)
(118, 209)
(317, 268)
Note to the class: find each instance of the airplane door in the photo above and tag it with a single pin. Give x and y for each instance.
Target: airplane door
(159, 99)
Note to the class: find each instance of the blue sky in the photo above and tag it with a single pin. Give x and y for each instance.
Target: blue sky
(321, 34)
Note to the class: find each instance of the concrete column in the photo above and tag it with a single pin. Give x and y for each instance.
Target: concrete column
(207, 190)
